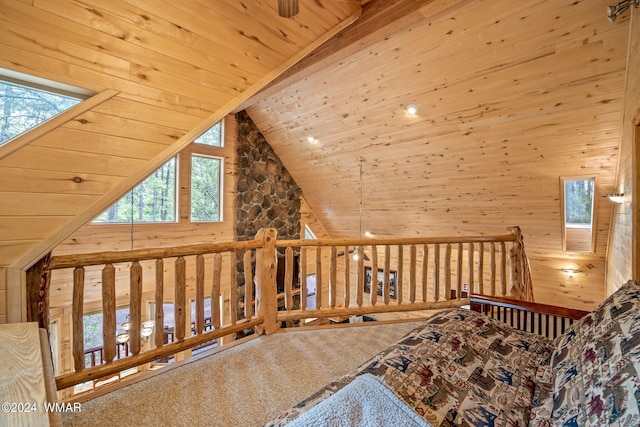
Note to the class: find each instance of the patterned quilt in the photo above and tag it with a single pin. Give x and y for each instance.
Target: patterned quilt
(462, 368)
(459, 368)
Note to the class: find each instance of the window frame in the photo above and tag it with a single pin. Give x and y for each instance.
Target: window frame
(198, 152)
(566, 246)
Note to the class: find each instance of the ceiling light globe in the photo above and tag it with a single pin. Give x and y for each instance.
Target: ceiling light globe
(412, 109)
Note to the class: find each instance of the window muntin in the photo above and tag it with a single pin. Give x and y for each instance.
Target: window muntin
(24, 108)
(153, 201)
(578, 207)
(206, 185)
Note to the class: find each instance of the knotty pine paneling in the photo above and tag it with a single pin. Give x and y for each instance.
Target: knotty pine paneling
(620, 260)
(511, 97)
(173, 66)
(115, 237)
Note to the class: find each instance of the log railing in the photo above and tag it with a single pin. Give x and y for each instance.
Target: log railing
(189, 264)
(412, 274)
(390, 275)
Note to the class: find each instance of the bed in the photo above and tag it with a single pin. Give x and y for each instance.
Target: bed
(465, 368)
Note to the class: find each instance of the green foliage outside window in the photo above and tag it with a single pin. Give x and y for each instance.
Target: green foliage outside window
(578, 199)
(24, 108)
(152, 201)
(211, 137)
(205, 188)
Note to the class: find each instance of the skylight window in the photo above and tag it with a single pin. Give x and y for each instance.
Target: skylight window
(24, 107)
(578, 208)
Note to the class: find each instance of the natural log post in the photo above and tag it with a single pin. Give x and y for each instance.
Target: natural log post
(199, 294)
(180, 311)
(159, 298)
(108, 312)
(303, 278)
(319, 284)
(399, 289)
(459, 270)
(38, 278)
(216, 307)
(248, 285)
(517, 290)
(135, 307)
(233, 289)
(425, 271)
(447, 273)
(266, 280)
(387, 267)
(436, 272)
(480, 270)
(360, 292)
(373, 281)
(333, 276)
(347, 287)
(412, 274)
(77, 311)
(288, 279)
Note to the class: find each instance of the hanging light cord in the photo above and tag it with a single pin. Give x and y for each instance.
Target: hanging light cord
(360, 159)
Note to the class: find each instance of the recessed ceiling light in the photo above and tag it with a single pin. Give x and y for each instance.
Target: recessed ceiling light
(412, 109)
(311, 139)
(368, 234)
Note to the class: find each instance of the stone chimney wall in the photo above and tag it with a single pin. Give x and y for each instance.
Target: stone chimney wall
(268, 197)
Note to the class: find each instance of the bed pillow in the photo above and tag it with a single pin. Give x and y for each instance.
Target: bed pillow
(597, 362)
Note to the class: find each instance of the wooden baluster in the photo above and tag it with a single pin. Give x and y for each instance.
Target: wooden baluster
(447, 272)
(471, 268)
(503, 270)
(459, 271)
(436, 272)
(387, 267)
(318, 277)
(492, 269)
(333, 276)
(199, 294)
(288, 279)
(480, 270)
(215, 291)
(248, 285)
(180, 299)
(425, 271)
(77, 319)
(135, 307)
(109, 312)
(233, 288)
(412, 274)
(303, 278)
(266, 286)
(360, 293)
(159, 299)
(373, 288)
(347, 278)
(400, 272)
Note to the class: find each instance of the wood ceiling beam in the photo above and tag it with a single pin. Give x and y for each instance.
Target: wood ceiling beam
(380, 19)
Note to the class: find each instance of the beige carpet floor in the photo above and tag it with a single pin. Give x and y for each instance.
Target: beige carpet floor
(246, 385)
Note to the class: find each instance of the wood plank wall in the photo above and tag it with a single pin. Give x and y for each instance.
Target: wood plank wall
(620, 258)
(512, 96)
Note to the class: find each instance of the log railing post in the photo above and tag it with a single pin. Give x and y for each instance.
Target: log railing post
(38, 279)
(266, 292)
(517, 290)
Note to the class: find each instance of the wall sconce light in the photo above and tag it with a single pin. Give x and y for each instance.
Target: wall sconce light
(615, 197)
(412, 109)
(614, 11)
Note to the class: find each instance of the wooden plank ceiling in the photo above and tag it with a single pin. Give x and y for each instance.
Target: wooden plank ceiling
(175, 69)
(512, 96)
